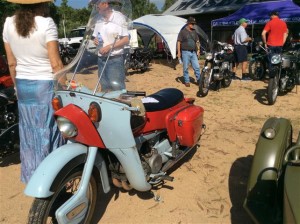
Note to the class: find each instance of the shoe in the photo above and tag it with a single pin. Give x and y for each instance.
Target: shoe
(236, 78)
(246, 79)
(187, 84)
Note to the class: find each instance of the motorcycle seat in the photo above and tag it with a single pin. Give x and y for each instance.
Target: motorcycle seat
(164, 99)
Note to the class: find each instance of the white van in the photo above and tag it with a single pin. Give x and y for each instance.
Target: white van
(74, 38)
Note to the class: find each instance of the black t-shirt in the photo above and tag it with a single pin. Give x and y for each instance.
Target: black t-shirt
(188, 39)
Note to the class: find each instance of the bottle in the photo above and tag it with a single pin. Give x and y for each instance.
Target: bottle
(100, 42)
(180, 61)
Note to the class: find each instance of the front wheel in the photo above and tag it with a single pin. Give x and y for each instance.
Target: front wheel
(204, 81)
(272, 90)
(43, 210)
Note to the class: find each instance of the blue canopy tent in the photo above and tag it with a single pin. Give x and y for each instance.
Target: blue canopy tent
(258, 13)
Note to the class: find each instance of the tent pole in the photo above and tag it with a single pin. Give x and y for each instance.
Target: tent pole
(211, 32)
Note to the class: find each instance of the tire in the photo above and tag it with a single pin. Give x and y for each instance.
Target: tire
(226, 81)
(256, 70)
(43, 210)
(204, 81)
(272, 90)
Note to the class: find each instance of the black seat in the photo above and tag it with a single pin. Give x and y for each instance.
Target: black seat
(166, 98)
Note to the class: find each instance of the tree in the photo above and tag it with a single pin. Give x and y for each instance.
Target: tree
(141, 8)
(167, 4)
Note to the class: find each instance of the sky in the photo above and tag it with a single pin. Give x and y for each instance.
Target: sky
(77, 4)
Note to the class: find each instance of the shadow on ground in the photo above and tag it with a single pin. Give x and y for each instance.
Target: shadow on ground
(238, 178)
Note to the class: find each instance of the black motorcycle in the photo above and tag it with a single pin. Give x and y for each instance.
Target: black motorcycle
(258, 62)
(137, 59)
(67, 53)
(9, 126)
(283, 73)
(217, 67)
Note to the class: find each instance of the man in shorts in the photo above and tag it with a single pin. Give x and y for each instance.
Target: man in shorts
(241, 40)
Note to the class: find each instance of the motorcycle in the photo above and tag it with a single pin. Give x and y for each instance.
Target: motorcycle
(137, 59)
(283, 74)
(119, 137)
(273, 186)
(9, 128)
(258, 63)
(217, 67)
(67, 53)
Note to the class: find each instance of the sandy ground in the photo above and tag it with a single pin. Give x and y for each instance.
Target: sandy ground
(209, 186)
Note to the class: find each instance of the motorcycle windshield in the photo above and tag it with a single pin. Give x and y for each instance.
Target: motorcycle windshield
(98, 67)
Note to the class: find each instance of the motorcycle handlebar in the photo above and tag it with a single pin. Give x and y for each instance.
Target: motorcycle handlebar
(136, 93)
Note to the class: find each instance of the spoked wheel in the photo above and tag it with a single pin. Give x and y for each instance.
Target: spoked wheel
(204, 81)
(272, 90)
(256, 70)
(43, 210)
(226, 81)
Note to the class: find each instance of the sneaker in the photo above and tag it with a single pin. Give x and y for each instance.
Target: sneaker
(245, 78)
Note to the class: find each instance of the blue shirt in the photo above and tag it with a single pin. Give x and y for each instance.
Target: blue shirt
(239, 36)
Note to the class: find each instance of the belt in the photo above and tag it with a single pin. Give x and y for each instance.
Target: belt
(189, 50)
(111, 57)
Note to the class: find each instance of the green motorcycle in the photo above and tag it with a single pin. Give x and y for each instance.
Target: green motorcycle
(273, 191)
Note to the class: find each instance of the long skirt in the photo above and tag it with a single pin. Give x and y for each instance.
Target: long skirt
(38, 131)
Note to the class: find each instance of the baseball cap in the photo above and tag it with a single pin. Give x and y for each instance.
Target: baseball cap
(191, 20)
(243, 20)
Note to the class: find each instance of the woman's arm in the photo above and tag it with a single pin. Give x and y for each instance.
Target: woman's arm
(54, 57)
(11, 61)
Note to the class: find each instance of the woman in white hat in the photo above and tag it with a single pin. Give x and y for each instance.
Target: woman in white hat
(31, 44)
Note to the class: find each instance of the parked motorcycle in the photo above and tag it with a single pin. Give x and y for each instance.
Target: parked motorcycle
(217, 67)
(9, 128)
(67, 53)
(138, 59)
(273, 191)
(120, 137)
(283, 74)
(258, 62)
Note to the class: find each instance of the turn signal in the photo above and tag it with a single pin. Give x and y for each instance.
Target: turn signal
(56, 103)
(94, 112)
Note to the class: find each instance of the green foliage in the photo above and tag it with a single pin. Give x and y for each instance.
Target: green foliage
(167, 4)
(142, 7)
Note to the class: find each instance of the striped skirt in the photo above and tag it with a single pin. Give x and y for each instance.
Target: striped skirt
(38, 131)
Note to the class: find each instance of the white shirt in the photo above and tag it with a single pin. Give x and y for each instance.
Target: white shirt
(115, 26)
(31, 53)
(239, 36)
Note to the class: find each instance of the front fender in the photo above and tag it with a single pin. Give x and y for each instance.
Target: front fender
(61, 160)
(263, 182)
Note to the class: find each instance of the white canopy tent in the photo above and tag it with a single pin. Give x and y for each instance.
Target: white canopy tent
(166, 26)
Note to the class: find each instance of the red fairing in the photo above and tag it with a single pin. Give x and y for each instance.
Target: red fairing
(87, 133)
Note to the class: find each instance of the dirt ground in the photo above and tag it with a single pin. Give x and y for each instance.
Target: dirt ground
(210, 185)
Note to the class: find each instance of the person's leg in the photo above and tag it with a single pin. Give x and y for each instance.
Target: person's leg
(195, 65)
(185, 60)
(115, 73)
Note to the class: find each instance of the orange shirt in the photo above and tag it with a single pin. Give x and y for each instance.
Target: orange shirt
(275, 29)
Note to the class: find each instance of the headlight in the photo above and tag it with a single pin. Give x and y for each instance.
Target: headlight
(276, 59)
(208, 56)
(225, 65)
(66, 127)
(270, 133)
(257, 48)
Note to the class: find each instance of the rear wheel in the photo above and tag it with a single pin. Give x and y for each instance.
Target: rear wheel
(272, 90)
(256, 70)
(43, 210)
(204, 81)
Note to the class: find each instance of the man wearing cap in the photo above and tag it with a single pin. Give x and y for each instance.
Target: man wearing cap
(112, 24)
(188, 48)
(277, 33)
(241, 40)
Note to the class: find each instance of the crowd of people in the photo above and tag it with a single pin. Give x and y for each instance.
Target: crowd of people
(31, 43)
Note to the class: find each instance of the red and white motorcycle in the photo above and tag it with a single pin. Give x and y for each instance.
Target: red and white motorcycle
(123, 138)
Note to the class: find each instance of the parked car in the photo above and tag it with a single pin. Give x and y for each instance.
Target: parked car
(273, 191)
(74, 38)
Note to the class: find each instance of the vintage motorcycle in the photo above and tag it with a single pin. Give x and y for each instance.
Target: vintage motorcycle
(67, 53)
(258, 62)
(9, 128)
(273, 191)
(283, 74)
(137, 59)
(217, 67)
(120, 137)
